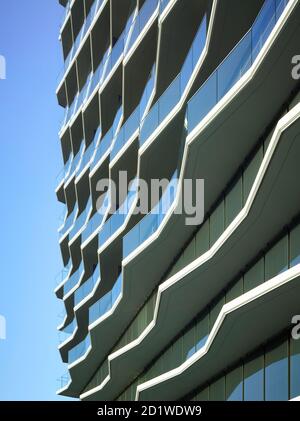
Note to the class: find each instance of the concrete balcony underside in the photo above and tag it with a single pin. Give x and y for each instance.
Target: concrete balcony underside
(253, 106)
(272, 207)
(238, 335)
(159, 148)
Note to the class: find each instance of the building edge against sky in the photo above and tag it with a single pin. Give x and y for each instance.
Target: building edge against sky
(155, 308)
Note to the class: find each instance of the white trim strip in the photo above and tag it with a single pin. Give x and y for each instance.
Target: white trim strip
(282, 125)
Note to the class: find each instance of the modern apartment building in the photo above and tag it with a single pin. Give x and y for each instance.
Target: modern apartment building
(156, 308)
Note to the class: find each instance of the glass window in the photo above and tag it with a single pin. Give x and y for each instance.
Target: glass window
(202, 102)
(234, 66)
(217, 223)
(294, 368)
(295, 246)
(255, 276)
(254, 379)
(217, 390)
(233, 202)
(276, 373)
(276, 260)
(234, 385)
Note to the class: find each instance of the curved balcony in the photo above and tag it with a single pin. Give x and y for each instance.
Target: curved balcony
(173, 94)
(97, 219)
(61, 278)
(87, 287)
(66, 170)
(81, 35)
(179, 292)
(82, 292)
(115, 222)
(126, 132)
(66, 334)
(79, 99)
(89, 153)
(93, 82)
(69, 222)
(80, 221)
(273, 304)
(133, 29)
(235, 65)
(76, 386)
(171, 296)
(115, 56)
(63, 382)
(106, 142)
(67, 10)
(108, 63)
(106, 303)
(75, 164)
(148, 92)
(91, 15)
(141, 20)
(62, 274)
(151, 222)
(73, 280)
(110, 59)
(201, 152)
(79, 350)
(131, 126)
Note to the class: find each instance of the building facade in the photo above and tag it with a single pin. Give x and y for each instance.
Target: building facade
(160, 305)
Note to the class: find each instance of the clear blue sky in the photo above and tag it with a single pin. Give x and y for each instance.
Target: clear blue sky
(30, 160)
